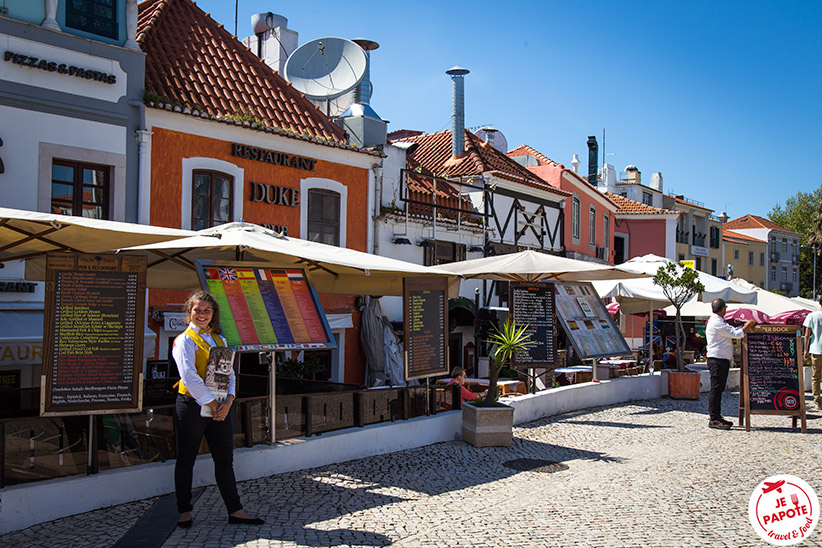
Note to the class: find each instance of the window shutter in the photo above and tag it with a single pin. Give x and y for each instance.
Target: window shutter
(460, 255)
(430, 253)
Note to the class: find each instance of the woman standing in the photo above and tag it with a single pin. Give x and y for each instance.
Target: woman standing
(190, 352)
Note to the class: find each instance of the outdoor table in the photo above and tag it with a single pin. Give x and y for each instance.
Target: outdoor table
(698, 366)
(620, 363)
(510, 387)
(567, 375)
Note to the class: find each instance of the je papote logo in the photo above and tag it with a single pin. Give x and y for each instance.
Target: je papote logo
(783, 510)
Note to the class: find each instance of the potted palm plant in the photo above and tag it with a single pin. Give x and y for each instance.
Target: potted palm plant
(491, 423)
(680, 284)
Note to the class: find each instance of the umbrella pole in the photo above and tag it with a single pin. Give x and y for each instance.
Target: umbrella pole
(272, 390)
(651, 338)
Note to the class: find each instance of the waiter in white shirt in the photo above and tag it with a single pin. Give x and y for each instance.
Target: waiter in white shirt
(720, 353)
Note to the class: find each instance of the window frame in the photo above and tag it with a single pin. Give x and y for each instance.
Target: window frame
(212, 173)
(592, 226)
(323, 222)
(576, 214)
(78, 186)
(72, 14)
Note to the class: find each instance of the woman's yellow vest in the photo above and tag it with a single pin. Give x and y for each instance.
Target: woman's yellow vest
(200, 356)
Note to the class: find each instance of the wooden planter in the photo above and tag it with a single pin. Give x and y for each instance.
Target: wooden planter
(487, 426)
(683, 385)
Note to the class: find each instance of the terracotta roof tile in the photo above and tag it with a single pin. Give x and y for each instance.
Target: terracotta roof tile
(434, 153)
(525, 150)
(191, 60)
(730, 234)
(632, 207)
(754, 221)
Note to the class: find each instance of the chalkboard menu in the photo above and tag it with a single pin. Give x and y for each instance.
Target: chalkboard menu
(773, 382)
(587, 323)
(93, 334)
(264, 308)
(532, 304)
(425, 309)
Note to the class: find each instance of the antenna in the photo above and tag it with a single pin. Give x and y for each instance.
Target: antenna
(326, 68)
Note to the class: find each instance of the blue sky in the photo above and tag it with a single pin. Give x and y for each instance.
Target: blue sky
(720, 96)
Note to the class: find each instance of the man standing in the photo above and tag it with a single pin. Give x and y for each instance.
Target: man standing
(720, 352)
(813, 350)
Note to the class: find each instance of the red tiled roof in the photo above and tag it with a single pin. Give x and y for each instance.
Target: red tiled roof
(632, 207)
(686, 202)
(737, 236)
(525, 150)
(403, 134)
(754, 221)
(434, 154)
(192, 61)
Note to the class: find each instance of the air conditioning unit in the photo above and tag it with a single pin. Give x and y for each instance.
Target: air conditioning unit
(774, 256)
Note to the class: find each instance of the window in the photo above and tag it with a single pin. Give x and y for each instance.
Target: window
(324, 216)
(761, 259)
(95, 16)
(211, 199)
(713, 267)
(773, 273)
(714, 231)
(606, 231)
(784, 274)
(736, 254)
(699, 263)
(80, 189)
(437, 252)
(575, 220)
(592, 229)
(750, 258)
(795, 274)
(784, 245)
(647, 199)
(681, 257)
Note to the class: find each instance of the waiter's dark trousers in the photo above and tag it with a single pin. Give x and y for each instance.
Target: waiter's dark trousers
(719, 378)
(190, 428)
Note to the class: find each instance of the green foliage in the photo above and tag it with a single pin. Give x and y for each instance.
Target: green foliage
(679, 284)
(509, 342)
(306, 369)
(802, 213)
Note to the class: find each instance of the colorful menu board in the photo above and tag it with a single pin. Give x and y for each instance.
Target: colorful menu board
(586, 322)
(532, 304)
(425, 309)
(264, 308)
(93, 334)
(772, 372)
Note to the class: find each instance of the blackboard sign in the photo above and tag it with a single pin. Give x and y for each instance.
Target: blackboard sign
(93, 334)
(532, 304)
(425, 309)
(772, 371)
(587, 323)
(264, 308)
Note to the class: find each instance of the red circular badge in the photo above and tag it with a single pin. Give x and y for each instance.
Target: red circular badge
(783, 510)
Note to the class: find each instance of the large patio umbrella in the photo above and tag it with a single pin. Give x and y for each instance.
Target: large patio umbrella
(533, 266)
(766, 301)
(331, 269)
(28, 234)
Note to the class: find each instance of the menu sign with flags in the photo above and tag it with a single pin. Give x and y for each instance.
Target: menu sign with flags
(264, 308)
(93, 334)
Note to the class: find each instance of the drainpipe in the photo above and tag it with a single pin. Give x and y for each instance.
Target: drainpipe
(378, 170)
(143, 137)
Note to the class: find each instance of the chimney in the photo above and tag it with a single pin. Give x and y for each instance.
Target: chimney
(656, 181)
(575, 163)
(364, 126)
(457, 75)
(592, 160)
(633, 175)
(273, 41)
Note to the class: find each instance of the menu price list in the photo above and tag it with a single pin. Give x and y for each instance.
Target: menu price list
(587, 322)
(773, 375)
(533, 304)
(95, 318)
(426, 332)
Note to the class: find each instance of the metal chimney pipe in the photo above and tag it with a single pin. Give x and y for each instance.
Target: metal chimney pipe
(362, 93)
(457, 75)
(592, 160)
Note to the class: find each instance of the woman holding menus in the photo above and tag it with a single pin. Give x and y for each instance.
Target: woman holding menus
(198, 413)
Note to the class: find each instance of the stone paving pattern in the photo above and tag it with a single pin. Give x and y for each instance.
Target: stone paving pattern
(646, 473)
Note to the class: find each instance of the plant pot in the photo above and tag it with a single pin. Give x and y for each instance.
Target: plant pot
(683, 385)
(487, 426)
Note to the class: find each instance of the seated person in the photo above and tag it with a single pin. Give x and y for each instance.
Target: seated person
(458, 376)
(670, 357)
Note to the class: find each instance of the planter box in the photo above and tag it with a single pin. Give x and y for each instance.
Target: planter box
(487, 426)
(683, 385)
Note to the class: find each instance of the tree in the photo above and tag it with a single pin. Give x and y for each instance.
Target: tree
(802, 213)
(679, 284)
(511, 341)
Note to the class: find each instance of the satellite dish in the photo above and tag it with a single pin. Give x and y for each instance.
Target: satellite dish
(326, 68)
(499, 141)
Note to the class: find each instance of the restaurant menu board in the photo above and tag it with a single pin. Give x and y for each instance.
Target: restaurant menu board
(587, 323)
(263, 308)
(93, 334)
(772, 369)
(532, 304)
(425, 309)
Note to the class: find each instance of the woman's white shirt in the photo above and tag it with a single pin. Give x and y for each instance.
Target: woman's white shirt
(183, 353)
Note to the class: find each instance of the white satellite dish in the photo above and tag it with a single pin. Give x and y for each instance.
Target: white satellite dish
(326, 68)
(499, 141)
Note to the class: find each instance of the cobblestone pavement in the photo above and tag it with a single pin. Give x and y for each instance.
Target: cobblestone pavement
(646, 473)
